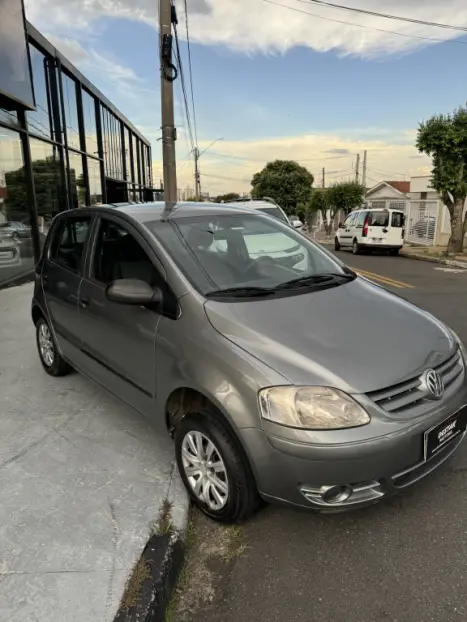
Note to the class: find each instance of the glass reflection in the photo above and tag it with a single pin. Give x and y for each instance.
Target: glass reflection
(40, 120)
(71, 112)
(95, 182)
(16, 250)
(77, 186)
(90, 127)
(47, 183)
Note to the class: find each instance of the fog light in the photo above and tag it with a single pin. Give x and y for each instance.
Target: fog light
(335, 494)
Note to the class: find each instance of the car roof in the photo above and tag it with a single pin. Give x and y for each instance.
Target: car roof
(144, 212)
(253, 204)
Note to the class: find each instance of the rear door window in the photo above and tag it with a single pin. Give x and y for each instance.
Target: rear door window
(379, 219)
(397, 220)
(69, 242)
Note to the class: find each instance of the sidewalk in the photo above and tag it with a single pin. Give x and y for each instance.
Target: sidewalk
(435, 254)
(83, 479)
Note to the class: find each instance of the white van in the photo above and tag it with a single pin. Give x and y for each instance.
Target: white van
(372, 229)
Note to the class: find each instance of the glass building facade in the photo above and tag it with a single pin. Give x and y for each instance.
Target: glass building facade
(74, 149)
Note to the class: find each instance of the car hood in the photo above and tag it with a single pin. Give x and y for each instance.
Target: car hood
(356, 337)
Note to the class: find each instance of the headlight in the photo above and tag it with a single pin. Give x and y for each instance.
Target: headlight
(461, 345)
(311, 408)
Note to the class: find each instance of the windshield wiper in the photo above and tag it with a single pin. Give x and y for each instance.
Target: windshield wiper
(239, 292)
(315, 279)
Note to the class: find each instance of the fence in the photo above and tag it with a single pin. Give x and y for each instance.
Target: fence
(422, 222)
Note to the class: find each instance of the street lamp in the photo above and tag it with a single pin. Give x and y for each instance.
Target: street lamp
(197, 175)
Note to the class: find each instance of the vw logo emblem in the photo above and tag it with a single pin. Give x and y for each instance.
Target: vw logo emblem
(434, 384)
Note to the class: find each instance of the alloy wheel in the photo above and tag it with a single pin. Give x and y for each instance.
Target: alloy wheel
(205, 470)
(46, 345)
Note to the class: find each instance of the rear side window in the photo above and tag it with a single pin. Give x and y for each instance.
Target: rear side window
(379, 219)
(397, 220)
(70, 241)
(274, 211)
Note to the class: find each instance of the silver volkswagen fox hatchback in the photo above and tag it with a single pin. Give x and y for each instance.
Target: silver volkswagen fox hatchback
(279, 373)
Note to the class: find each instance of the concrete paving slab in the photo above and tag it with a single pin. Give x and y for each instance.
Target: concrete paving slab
(82, 481)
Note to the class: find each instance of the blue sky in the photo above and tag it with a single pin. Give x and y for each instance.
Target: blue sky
(302, 88)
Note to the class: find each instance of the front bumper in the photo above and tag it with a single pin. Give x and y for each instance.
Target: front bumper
(297, 474)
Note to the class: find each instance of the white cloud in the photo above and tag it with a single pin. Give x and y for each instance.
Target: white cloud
(240, 160)
(256, 26)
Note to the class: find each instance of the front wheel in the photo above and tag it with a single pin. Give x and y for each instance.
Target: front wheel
(355, 248)
(337, 246)
(214, 469)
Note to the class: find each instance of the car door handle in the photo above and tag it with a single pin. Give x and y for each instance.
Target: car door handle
(83, 303)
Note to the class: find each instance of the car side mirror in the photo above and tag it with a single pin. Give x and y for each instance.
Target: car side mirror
(133, 292)
(341, 225)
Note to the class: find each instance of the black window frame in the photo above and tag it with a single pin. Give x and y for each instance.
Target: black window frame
(58, 226)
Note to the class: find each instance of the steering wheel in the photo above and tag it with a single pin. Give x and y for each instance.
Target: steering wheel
(257, 263)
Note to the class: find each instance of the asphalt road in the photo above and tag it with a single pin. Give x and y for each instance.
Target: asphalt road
(404, 560)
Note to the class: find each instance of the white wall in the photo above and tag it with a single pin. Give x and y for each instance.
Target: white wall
(420, 184)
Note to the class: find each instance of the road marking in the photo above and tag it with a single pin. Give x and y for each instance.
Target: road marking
(384, 279)
(454, 270)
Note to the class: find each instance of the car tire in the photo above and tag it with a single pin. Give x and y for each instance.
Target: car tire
(355, 248)
(337, 246)
(394, 252)
(50, 357)
(232, 495)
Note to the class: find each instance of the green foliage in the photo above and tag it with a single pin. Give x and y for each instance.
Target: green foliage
(444, 138)
(285, 181)
(345, 196)
(224, 198)
(319, 200)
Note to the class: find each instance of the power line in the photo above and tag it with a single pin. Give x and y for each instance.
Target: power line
(228, 178)
(391, 32)
(385, 15)
(384, 172)
(225, 155)
(178, 59)
(191, 72)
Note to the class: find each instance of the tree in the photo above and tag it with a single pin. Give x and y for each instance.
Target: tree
(444, 138)
(225, 198)
(320, 203)
(345, 196)
(285, 181)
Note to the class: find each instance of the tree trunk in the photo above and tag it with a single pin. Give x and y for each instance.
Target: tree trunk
(327, 224)
(456, 241)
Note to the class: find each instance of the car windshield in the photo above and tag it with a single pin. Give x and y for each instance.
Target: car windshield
(273, 211)
(243, 251)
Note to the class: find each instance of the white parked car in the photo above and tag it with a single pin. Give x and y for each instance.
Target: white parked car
(372, 229)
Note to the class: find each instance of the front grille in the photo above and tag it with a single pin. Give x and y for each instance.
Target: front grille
(403, 396)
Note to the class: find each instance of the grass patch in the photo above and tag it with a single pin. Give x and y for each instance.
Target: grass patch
(163, 526)
(140, 574)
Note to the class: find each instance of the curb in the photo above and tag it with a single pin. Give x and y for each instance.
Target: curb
(154, 576)
(446, 262)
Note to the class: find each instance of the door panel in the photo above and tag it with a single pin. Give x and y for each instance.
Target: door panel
(61, 277)
(117, 340)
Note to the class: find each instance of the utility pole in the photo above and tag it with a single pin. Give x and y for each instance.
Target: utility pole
(357, 168)
(364, 170)
(168, 75)
(324, 177)
(197, 175)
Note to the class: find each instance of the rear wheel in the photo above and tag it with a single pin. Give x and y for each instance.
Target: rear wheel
(355, 248)
(337, 246)
(394, 251)
(214, 468)
(51, 359)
